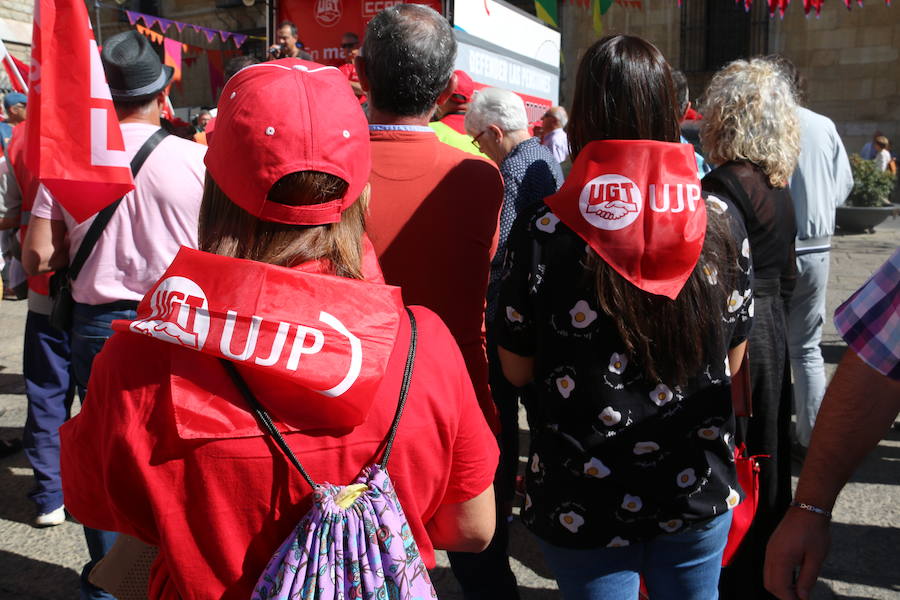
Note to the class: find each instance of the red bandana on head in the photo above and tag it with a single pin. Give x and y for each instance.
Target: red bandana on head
(638, 204)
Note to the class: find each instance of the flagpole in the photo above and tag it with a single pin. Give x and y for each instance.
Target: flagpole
(12, 67)
(97, 19)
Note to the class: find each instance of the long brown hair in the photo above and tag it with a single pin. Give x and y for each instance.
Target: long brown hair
(624, 90)
(228, 230)
(674, 339)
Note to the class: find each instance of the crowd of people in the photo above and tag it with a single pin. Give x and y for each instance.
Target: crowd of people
(380, 261)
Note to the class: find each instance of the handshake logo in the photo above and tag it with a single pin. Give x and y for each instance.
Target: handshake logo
(610, 202)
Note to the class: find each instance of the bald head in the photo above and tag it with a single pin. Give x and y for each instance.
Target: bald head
(555, 118)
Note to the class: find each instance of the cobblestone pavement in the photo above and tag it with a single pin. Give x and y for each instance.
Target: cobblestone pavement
(43, 564)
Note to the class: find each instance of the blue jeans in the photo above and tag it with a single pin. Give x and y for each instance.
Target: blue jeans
(90, 330)
(681, 566)
(804, 334)
(49, 389)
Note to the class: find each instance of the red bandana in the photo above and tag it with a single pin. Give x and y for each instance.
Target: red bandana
(637, 203)
(328, 334)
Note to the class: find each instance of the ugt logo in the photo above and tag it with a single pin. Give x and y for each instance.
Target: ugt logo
(179, 314)
(328, 12)
(610, 202)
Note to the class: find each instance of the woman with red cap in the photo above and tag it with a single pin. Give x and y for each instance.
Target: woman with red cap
(627, 302)
(751, 130)
(284, 302)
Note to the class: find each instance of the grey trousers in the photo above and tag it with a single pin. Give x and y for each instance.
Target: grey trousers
(804, 334)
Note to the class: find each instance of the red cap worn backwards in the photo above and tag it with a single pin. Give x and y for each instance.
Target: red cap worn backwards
(284, 116)
(465, 87)
(637, 203)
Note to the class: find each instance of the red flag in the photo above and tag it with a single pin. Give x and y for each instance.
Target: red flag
(16, 70)
(74, 143)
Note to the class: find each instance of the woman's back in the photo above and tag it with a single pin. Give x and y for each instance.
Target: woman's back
(768, 214)
(192, 472)
(616, 456)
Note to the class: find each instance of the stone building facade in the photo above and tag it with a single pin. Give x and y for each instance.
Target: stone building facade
(849, 58)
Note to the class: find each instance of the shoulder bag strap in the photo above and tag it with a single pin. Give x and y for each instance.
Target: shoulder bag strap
(102, 219)
(268, 426)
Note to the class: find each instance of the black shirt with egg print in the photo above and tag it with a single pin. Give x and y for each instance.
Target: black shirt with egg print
(615, 459)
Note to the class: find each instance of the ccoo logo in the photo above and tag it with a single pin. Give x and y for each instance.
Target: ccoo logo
(610, 202)
(179, 314)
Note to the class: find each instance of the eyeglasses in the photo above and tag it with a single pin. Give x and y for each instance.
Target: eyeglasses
(475, 141)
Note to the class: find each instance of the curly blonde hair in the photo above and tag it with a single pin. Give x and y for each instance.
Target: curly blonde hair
(750, 113)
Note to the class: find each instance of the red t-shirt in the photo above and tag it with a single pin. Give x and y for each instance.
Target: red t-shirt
(137, 460)
(433, 220)
(349, 70)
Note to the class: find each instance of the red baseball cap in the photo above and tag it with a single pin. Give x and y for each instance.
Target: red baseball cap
(465, 87)
(284, 116)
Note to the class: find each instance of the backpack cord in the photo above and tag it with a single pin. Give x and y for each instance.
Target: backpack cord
(404, 387)
(266, 421)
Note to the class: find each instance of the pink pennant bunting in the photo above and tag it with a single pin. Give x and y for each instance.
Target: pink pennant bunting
(172, 51)
(132, 16)
(224, 35)
(240, 38)
(180, 26)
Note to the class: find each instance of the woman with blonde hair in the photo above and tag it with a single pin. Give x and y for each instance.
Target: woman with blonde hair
(751, 130)
(283, 316)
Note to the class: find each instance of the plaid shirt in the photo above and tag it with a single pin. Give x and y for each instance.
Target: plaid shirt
(870, 320)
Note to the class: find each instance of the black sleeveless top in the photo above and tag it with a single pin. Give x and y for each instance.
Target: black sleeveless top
(768, 214)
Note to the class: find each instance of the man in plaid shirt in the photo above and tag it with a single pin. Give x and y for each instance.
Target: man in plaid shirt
(860, 405)
(870, 320)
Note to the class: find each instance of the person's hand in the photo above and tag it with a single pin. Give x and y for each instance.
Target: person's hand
(799, 542)
(276, 51)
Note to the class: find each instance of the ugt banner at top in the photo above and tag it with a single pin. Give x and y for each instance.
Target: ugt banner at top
(322, 23)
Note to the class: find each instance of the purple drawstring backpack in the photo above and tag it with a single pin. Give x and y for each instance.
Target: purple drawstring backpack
(355, 541)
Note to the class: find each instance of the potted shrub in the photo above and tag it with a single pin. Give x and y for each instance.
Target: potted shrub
(868, 203)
